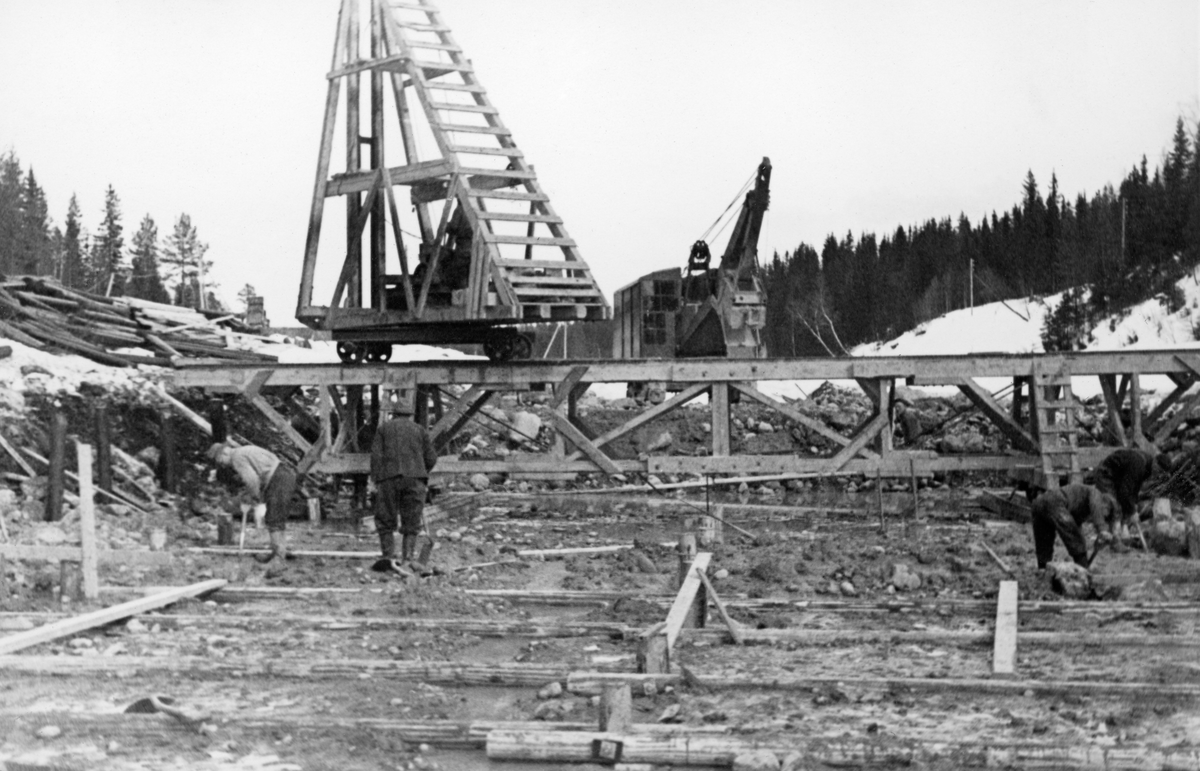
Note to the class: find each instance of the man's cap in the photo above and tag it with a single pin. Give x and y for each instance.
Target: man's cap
(215, 451)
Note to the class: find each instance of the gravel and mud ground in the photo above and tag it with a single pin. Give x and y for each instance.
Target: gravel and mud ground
(309, 680)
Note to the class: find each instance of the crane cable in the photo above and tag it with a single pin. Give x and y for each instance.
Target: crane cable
(736, 198)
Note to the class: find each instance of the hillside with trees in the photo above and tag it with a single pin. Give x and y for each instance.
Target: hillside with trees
(1123, 244)
(174, 270)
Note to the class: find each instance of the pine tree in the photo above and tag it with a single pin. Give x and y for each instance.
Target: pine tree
(144, 280)
(184, 253)
(1175, 183)
(108, 272)
(72, 271)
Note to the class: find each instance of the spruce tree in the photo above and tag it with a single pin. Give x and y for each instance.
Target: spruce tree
(108, 273)
(144, 280)
(34, 249)
(10, 212)
(73, 271)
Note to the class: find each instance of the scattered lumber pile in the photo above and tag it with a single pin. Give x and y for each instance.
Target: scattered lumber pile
(41, 313)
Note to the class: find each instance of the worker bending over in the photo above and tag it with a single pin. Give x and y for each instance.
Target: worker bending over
(402, 456)
(1064, 510)
(1122, 475)
(267, 480)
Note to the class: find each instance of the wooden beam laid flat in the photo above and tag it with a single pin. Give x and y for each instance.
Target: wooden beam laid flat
(58, 629)
(1004, 656)
(75, 554)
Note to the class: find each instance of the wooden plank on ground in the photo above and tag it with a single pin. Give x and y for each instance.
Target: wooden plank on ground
(1004, 655)
(53, 631)
(681, 608)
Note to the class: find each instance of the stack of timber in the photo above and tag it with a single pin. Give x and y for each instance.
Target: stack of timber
(41, 313)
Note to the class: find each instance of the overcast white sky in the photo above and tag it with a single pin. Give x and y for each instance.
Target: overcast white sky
(643, 117)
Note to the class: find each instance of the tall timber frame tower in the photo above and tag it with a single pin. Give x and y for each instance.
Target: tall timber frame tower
(494, 256)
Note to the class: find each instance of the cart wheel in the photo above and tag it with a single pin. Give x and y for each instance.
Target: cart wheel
(379, 353)
(351, 353)
(522, 347)
(500, 345)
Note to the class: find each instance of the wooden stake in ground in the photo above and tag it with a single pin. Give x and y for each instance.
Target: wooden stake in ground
(616, 708)
(104, 469)
(1004, 655)
(87, 524)
(58, 454)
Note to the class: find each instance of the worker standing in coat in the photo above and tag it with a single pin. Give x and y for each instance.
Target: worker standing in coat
(402, 456)
(1064, 510)
(267, 480)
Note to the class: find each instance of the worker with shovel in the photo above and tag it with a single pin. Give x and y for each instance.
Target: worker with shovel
(1064, 510)
(267, 480)
(402, 456)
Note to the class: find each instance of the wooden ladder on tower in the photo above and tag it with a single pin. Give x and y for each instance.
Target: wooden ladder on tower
(1053, 405)
(466, 127)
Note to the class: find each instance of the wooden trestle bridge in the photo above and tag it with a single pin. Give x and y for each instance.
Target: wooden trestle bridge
(1040, 423)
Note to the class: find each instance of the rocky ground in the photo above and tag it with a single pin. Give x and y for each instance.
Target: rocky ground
(307, 670)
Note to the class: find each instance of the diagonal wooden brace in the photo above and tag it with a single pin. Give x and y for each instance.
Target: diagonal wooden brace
(463, 409)
(280, 423)
(799, 417)
(679, 399)
(983, 400)
(861, 440)
(576, 437)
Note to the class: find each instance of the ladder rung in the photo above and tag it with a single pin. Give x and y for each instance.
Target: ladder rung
(528, 240)
(421, 26)
(445, 66)
(500, 173)
(473, 129)
(525, 291)
(472, 88)
(544, 264)
(414, 7)
(508, 152)
(515, 278)
(507, 195)
(464, 107)
(433, 46)
(510, 217)
(1059, 450)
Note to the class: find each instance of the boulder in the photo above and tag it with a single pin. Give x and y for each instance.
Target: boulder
(1070, 580)
(525, 427)
(480, 482)
(764, 427)
(903, 579)
(8, 502)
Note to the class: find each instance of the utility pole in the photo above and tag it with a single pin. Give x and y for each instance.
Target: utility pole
(971, 273)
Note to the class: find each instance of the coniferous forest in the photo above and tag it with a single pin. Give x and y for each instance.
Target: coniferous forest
(1124, 244)
(104, 260)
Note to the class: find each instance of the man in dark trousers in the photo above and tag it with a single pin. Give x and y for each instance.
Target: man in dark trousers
(267, 480)
(1122, 475)
(1063, 510)
(402, 456)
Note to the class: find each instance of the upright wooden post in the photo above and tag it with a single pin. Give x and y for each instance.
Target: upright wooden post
(68, 581)
(87, 524)
(353, 159)
(884, 405)
(687, 553)
(1135, 408)
(103, 449)
(720, 419)
(3, 580)
(57, 472)
(169, 463)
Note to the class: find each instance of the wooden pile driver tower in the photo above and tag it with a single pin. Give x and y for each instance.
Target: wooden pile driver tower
(495, 256)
